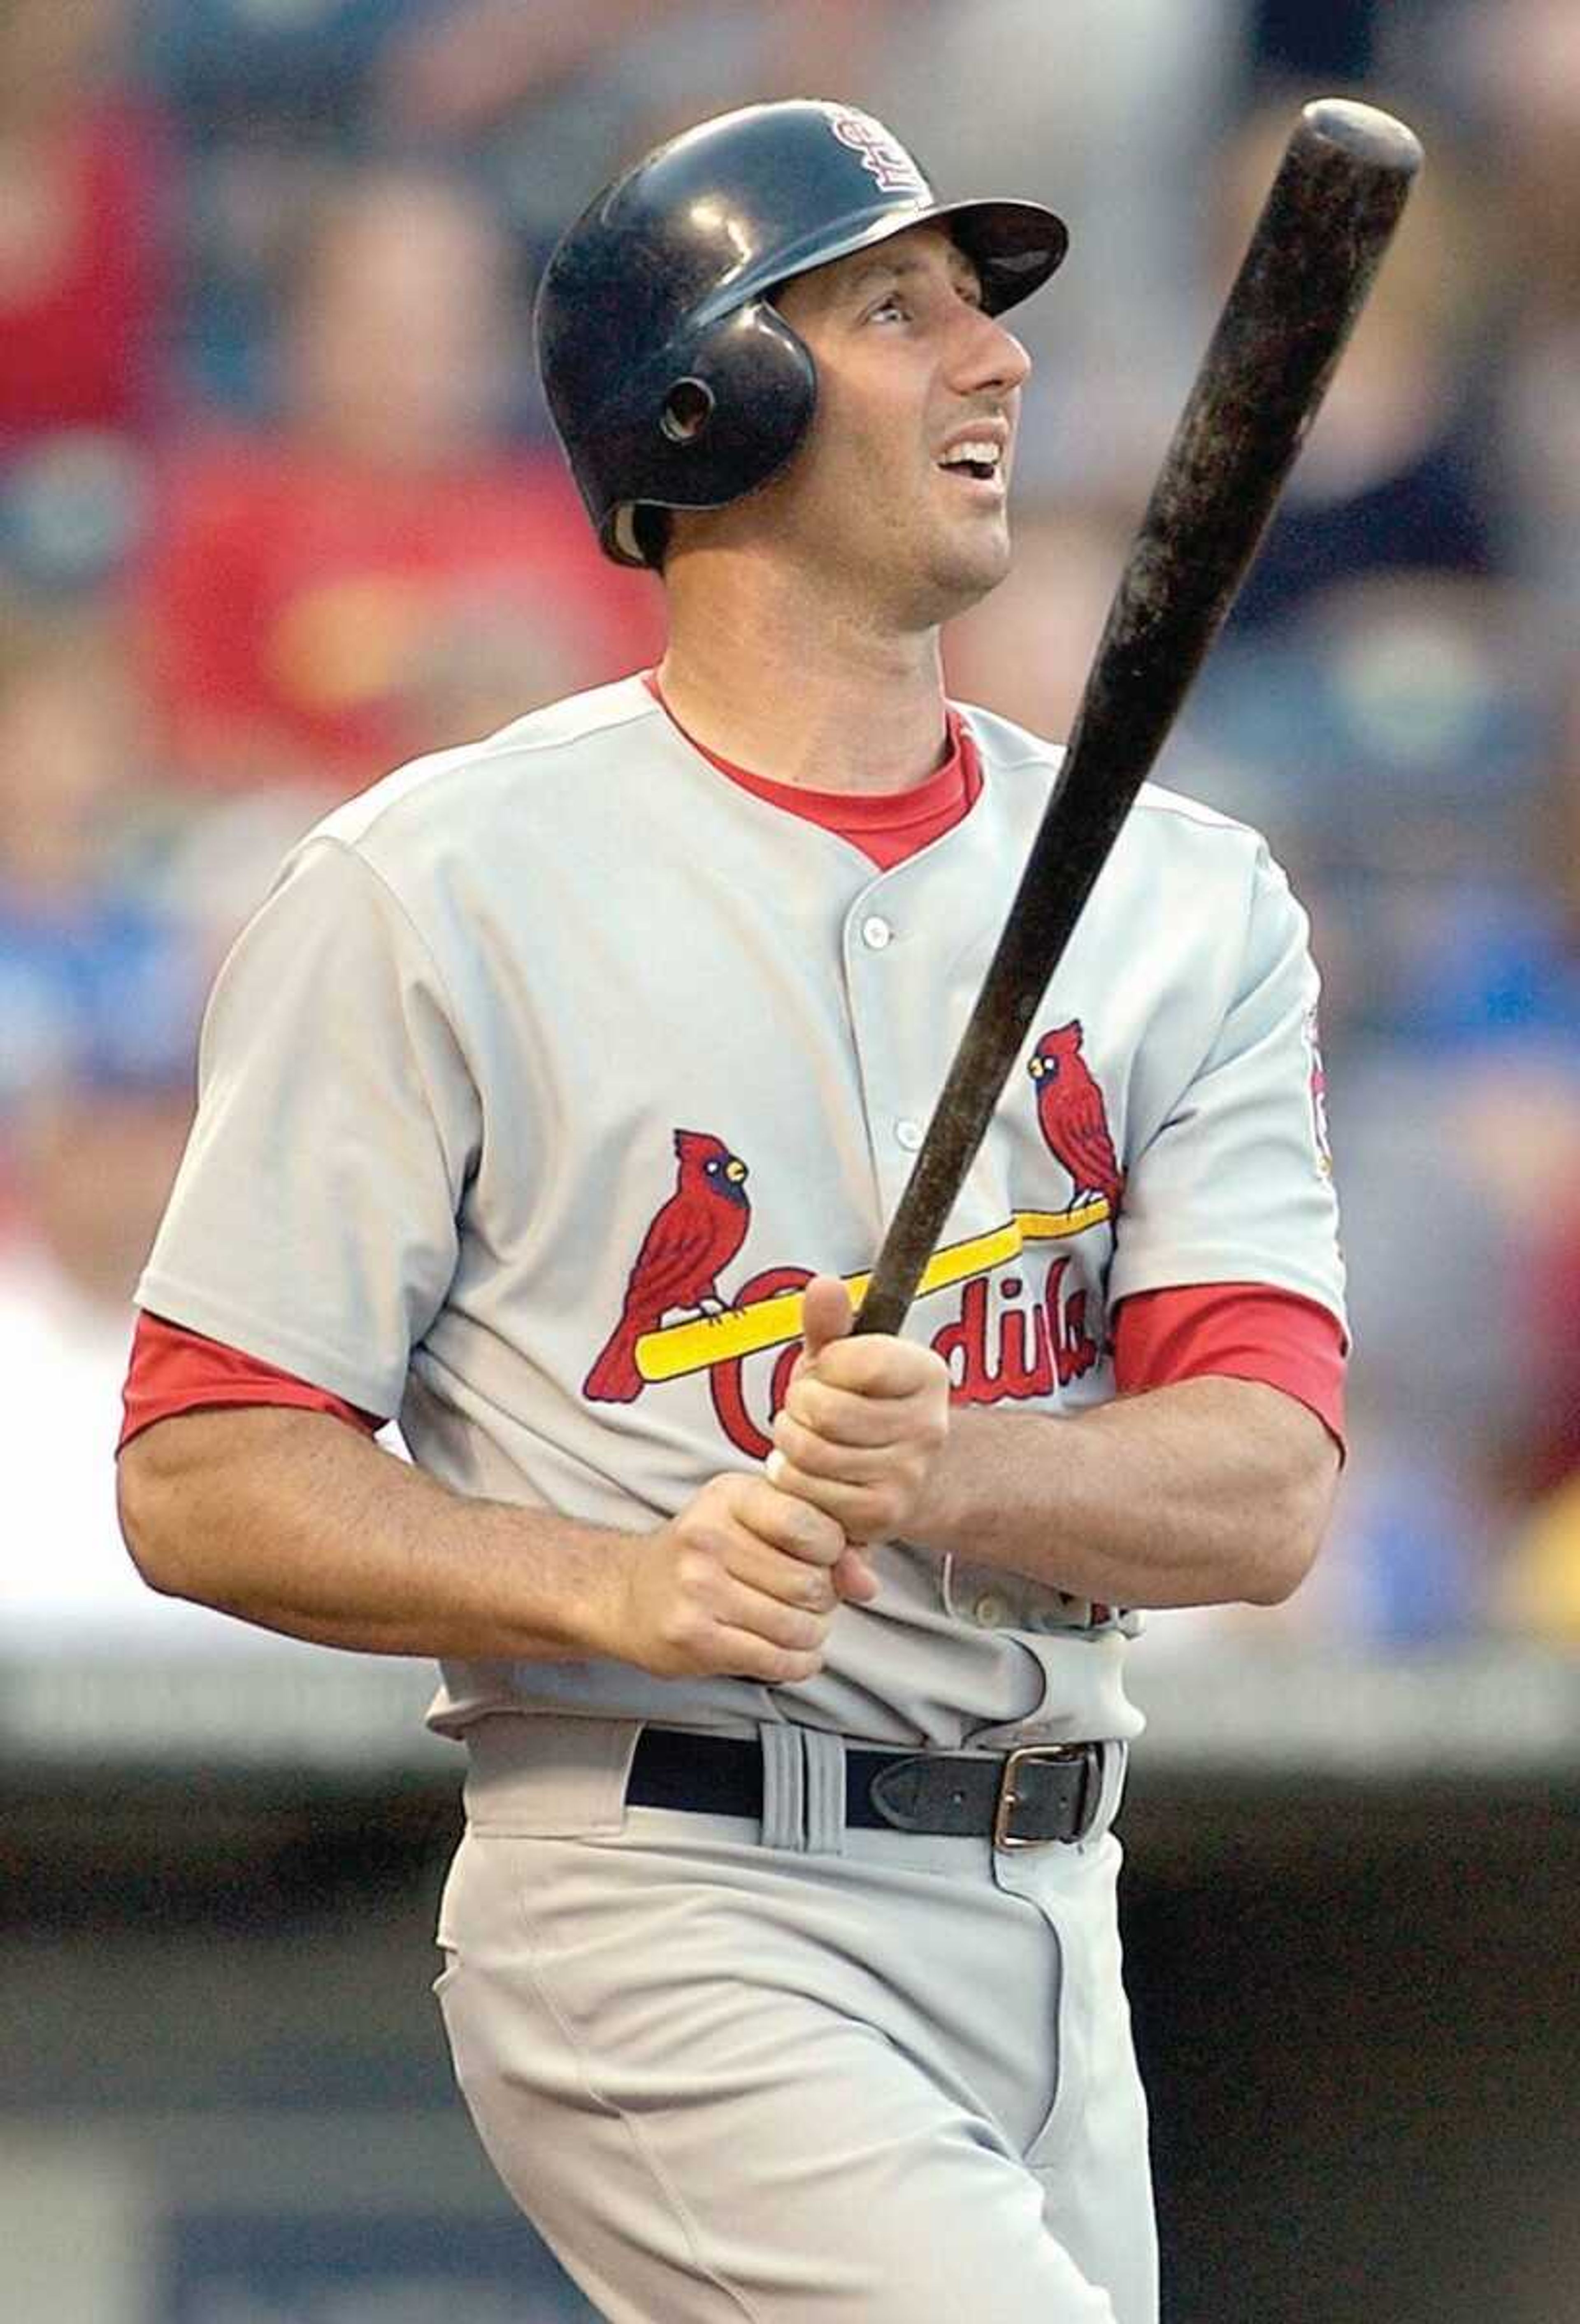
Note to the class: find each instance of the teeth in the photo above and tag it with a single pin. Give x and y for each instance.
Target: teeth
(984, 454)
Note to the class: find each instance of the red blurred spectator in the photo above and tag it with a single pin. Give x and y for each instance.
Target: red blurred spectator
(1556, 1324)
(299, 579)
(1542, 1583)
(1553, 1433)
(82, 195)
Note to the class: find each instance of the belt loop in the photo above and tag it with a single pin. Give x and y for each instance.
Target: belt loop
(784, 1786)
(1115, 1761)
(825, 1792)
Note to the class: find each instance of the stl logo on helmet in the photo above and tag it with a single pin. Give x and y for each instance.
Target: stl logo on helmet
(882, 155)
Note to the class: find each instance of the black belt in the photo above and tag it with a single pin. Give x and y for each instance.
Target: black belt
(1039, 1793)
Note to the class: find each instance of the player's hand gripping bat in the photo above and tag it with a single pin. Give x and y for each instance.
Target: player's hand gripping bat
(1315, 249)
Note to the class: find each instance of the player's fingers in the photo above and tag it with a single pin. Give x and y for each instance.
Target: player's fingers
(797, 1629)
(854, 1578)
(818, 1456)
(842, 1417)
(743, 1654)
(793, 1581)
(825, 1315)
(845, 1506)
(786, 1521)
(877, 1365)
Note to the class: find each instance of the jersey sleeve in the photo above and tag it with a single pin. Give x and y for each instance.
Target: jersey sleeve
(1234, 1183)
(1233, 1330)
(313, 1220)
(173, 1370)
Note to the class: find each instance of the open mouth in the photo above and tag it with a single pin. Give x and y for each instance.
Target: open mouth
(981, 462)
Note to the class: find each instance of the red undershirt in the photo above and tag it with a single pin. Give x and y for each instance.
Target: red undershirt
(1238, 1331)
(885, 825)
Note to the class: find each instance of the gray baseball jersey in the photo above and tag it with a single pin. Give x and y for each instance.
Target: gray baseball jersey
(553, 1066)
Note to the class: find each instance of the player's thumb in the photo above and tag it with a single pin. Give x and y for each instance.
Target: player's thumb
(825, 1315)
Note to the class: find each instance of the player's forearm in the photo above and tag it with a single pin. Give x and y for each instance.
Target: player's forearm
(1209, 1492)
(294, 1521)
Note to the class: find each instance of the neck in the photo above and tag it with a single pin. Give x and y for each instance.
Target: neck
(817, 695)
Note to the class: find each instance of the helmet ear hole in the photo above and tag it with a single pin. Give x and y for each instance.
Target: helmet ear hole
(687, 409)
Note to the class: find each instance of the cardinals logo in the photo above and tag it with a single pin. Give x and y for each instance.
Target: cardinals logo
(693, 1238)
(1073, 1119)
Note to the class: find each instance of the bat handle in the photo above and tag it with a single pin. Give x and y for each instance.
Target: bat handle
(929, 1192)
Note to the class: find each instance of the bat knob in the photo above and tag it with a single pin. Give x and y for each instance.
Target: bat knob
(1370, 135)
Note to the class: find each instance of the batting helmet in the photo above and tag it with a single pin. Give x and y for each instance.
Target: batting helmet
(672, 380)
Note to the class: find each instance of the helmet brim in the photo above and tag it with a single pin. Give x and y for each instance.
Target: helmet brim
(1014, 247)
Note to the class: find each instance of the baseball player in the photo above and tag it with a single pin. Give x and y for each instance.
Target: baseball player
(557, 1099)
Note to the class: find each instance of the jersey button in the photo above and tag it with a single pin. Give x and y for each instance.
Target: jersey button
(875, 932)
(909, 1134)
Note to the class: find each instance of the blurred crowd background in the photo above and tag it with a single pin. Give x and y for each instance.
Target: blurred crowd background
(279, 507)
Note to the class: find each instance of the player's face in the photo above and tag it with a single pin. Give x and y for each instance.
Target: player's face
(903, 484)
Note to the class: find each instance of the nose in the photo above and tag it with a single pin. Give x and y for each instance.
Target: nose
(987, 358)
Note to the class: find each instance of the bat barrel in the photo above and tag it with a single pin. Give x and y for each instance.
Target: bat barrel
(1374, 138)
(1311, 259)
(1310, 262)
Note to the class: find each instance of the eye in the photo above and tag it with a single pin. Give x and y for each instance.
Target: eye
(891, 303)
(712, 1168)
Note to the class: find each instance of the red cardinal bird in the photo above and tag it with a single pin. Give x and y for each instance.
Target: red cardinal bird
(693, 1238)
(1074, 1121)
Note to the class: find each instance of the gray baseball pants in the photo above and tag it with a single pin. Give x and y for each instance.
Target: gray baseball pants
(793, 2074)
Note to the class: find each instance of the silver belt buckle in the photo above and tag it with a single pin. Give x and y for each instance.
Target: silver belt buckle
(1043, 1755)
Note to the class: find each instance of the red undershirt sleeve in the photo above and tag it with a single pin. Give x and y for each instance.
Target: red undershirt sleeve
(1235, 1330)
(172, 1369)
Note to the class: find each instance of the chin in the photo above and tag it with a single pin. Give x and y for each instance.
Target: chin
(963, 576)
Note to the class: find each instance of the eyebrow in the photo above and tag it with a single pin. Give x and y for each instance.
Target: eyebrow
(964, 275)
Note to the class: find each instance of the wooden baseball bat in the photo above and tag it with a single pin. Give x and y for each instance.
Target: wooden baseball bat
(1311, 259)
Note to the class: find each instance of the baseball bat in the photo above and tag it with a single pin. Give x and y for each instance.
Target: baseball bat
(1311, 261)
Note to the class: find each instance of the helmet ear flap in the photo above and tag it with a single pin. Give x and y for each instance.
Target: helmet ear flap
(704, 435)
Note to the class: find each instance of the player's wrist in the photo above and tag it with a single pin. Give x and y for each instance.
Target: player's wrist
(607, 1621)
(953, 1507)
(939, 1516)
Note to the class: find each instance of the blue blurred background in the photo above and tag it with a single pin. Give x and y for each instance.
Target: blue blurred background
(277, 508)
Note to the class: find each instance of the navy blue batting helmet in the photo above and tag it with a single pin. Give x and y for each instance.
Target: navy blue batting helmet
(673, 381)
